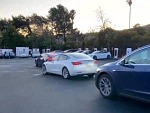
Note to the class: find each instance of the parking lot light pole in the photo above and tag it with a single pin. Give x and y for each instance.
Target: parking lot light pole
(130, 3)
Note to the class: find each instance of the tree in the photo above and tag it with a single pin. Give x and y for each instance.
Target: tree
(38, 23)
(140, 30)
(72, 15)
(22, 24)
(11, 38)
(130, 3)
(4, 24)
(105, 22)
(62, 20)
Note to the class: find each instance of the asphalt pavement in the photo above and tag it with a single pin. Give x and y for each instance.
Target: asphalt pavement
(23, 89)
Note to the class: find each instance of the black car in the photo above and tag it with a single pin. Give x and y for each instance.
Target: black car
(43, 58)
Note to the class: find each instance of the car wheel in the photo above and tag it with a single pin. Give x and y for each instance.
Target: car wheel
(65, 73)
(44, 70)
(108, 57)
(94, 57)
(106, 86)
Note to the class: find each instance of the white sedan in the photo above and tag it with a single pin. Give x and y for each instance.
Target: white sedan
(100, 55)
(70, 64)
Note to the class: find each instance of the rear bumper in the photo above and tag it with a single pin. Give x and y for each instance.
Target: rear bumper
(77, 72)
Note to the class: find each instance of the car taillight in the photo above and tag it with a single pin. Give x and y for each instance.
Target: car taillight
(95, 62)
(76, 63)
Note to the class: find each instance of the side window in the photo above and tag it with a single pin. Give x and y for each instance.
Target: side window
(140, 57)
(63, 57)
(55, 58)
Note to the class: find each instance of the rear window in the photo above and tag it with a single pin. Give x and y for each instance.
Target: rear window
(80, 56)
(51, 55)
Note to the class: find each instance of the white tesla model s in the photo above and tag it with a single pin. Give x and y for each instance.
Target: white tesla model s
(71, 64)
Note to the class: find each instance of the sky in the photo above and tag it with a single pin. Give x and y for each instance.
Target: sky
(86, 19)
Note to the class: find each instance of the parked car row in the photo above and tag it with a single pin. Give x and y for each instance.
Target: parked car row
(93, 54)
(7, 54)
(22, 54)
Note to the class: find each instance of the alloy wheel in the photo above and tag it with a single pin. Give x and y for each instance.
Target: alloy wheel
(44, 70)
(105, 86)
(65, 73)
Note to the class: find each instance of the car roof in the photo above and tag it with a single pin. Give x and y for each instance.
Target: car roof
(76, 54)
(70, 50)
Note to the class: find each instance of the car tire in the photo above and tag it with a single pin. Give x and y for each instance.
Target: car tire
(95, 57)
(65, 73)
(44, 70)
(106, 86)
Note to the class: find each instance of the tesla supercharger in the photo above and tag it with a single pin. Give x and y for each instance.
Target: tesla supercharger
(95, 49)
(116, 52)
(105, 49)
(48, 50)
(43, 50)
(0, 50)
(79, 49)
(128, 51)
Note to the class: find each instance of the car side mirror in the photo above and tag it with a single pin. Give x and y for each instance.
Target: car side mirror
(122, 62)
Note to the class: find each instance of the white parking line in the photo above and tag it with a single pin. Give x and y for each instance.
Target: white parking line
(36, 74)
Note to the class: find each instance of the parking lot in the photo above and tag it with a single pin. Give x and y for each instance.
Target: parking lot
(23, 89)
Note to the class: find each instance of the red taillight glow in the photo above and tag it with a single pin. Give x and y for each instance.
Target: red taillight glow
(49, 59)
(95, 62)
(76, 63)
